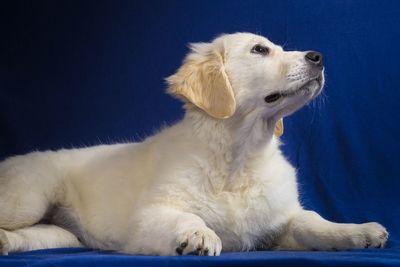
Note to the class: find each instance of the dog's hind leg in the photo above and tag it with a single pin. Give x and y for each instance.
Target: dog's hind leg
(21, 209)
(29, 185)
(309, 231)
(39, 236)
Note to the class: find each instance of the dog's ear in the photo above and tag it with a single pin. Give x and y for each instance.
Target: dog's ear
(202, 81)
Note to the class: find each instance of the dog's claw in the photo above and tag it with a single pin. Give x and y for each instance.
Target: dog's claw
(202, 242)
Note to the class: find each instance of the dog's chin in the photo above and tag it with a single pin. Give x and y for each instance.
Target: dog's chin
(284, 103)
(318, 85)
(311, 88)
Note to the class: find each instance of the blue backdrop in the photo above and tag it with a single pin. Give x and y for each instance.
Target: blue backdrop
(77, 73)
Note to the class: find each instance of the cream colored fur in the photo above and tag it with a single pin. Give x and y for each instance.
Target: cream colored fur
(214, 181)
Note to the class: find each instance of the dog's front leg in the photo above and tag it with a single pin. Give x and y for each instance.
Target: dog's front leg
(309, 231)
(163, 230)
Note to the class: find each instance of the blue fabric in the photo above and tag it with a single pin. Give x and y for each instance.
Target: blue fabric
(81, 73)
(85, 257)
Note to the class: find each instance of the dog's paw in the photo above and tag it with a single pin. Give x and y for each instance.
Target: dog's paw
(374, 236)
(202, 242)
(4, 243)
(366, 235)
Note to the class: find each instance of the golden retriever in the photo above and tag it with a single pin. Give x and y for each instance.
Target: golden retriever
(216, 181)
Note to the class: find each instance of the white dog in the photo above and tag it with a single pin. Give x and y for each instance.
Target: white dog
(214, 181)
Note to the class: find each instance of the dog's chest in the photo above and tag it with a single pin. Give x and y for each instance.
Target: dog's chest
(243, 220)
(247, 209)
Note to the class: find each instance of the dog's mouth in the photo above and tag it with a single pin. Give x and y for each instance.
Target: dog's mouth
(306, 88)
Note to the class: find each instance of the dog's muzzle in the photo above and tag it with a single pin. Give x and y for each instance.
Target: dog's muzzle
(315, 60)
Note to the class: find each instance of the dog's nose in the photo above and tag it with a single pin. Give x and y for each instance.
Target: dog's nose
(315, 58)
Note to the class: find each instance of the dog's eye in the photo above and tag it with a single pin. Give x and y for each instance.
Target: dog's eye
(260, 49)
(272, 98)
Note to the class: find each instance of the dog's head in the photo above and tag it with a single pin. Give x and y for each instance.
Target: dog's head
(241, 73)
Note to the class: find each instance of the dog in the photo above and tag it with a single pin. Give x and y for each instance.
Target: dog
(215, 181)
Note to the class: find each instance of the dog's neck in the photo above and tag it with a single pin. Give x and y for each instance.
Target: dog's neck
(233, 142)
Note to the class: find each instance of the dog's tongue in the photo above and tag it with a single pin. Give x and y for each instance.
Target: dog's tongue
(278, 128)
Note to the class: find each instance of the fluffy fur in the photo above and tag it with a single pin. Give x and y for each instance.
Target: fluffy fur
(214, 181)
